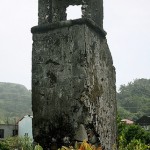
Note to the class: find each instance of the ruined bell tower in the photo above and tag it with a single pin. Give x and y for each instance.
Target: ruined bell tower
(73, 77)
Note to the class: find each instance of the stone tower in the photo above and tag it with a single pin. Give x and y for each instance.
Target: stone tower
(73, 77)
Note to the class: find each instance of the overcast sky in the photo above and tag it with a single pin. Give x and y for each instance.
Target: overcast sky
(127, 23)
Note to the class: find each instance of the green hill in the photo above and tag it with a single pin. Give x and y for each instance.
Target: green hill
(15, 102)
(134, 99)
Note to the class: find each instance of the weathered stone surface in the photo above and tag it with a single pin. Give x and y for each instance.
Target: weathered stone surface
(51, 11)
(73, 83)
(73, 77)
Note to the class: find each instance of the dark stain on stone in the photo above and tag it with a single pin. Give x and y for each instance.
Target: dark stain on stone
(52, 77)
(93, 46)
(66, 38)
(82, 59)
(57, 42)
(42, 94)
(52, 62)
(36, 83)
(60, 128)
(75, 109)
(76, 46)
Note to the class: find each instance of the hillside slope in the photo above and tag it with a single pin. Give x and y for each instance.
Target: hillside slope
(134, 99)
(15, 102)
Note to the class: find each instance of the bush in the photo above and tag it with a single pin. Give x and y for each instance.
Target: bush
(13, 143)
(3, 146)
(132, 137)
(136, 145)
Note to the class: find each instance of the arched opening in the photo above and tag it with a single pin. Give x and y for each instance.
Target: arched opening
(74, 12)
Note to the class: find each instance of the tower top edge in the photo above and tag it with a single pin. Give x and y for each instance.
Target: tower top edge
(68, 23)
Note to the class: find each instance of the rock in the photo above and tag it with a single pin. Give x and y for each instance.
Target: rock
(81, 134)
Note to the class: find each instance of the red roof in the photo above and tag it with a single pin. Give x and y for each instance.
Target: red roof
(127, 121)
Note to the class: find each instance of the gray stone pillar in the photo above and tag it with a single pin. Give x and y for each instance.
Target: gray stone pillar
(73, 83)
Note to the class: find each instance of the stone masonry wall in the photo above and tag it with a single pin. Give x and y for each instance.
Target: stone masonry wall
(51, 11)
(73, 83)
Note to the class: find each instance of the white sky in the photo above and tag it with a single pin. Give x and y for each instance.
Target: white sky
(127, 23)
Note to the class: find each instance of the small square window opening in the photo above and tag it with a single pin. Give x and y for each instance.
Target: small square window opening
(74, 12)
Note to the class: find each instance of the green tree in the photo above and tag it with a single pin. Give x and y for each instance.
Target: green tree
(132, 137)
(134, 99)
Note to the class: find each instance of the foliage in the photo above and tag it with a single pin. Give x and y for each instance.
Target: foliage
(3, 146)
(15, 102)
(38, 147)
(26, 144)
(137, 145)
(133, 145)
(134, 99)
(132, 137)
(13, 143)
(83, 146)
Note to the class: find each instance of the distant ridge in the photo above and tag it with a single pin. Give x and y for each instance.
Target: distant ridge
(15, 102)
(134, 99)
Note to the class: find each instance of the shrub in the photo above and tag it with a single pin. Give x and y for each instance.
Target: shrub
(13, 143)
(132, 137)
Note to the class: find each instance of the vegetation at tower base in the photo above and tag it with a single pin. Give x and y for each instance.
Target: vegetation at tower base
(134, 99)
(132, 137)
(15, 102)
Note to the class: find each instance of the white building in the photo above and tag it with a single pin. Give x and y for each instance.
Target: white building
(25, 126)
